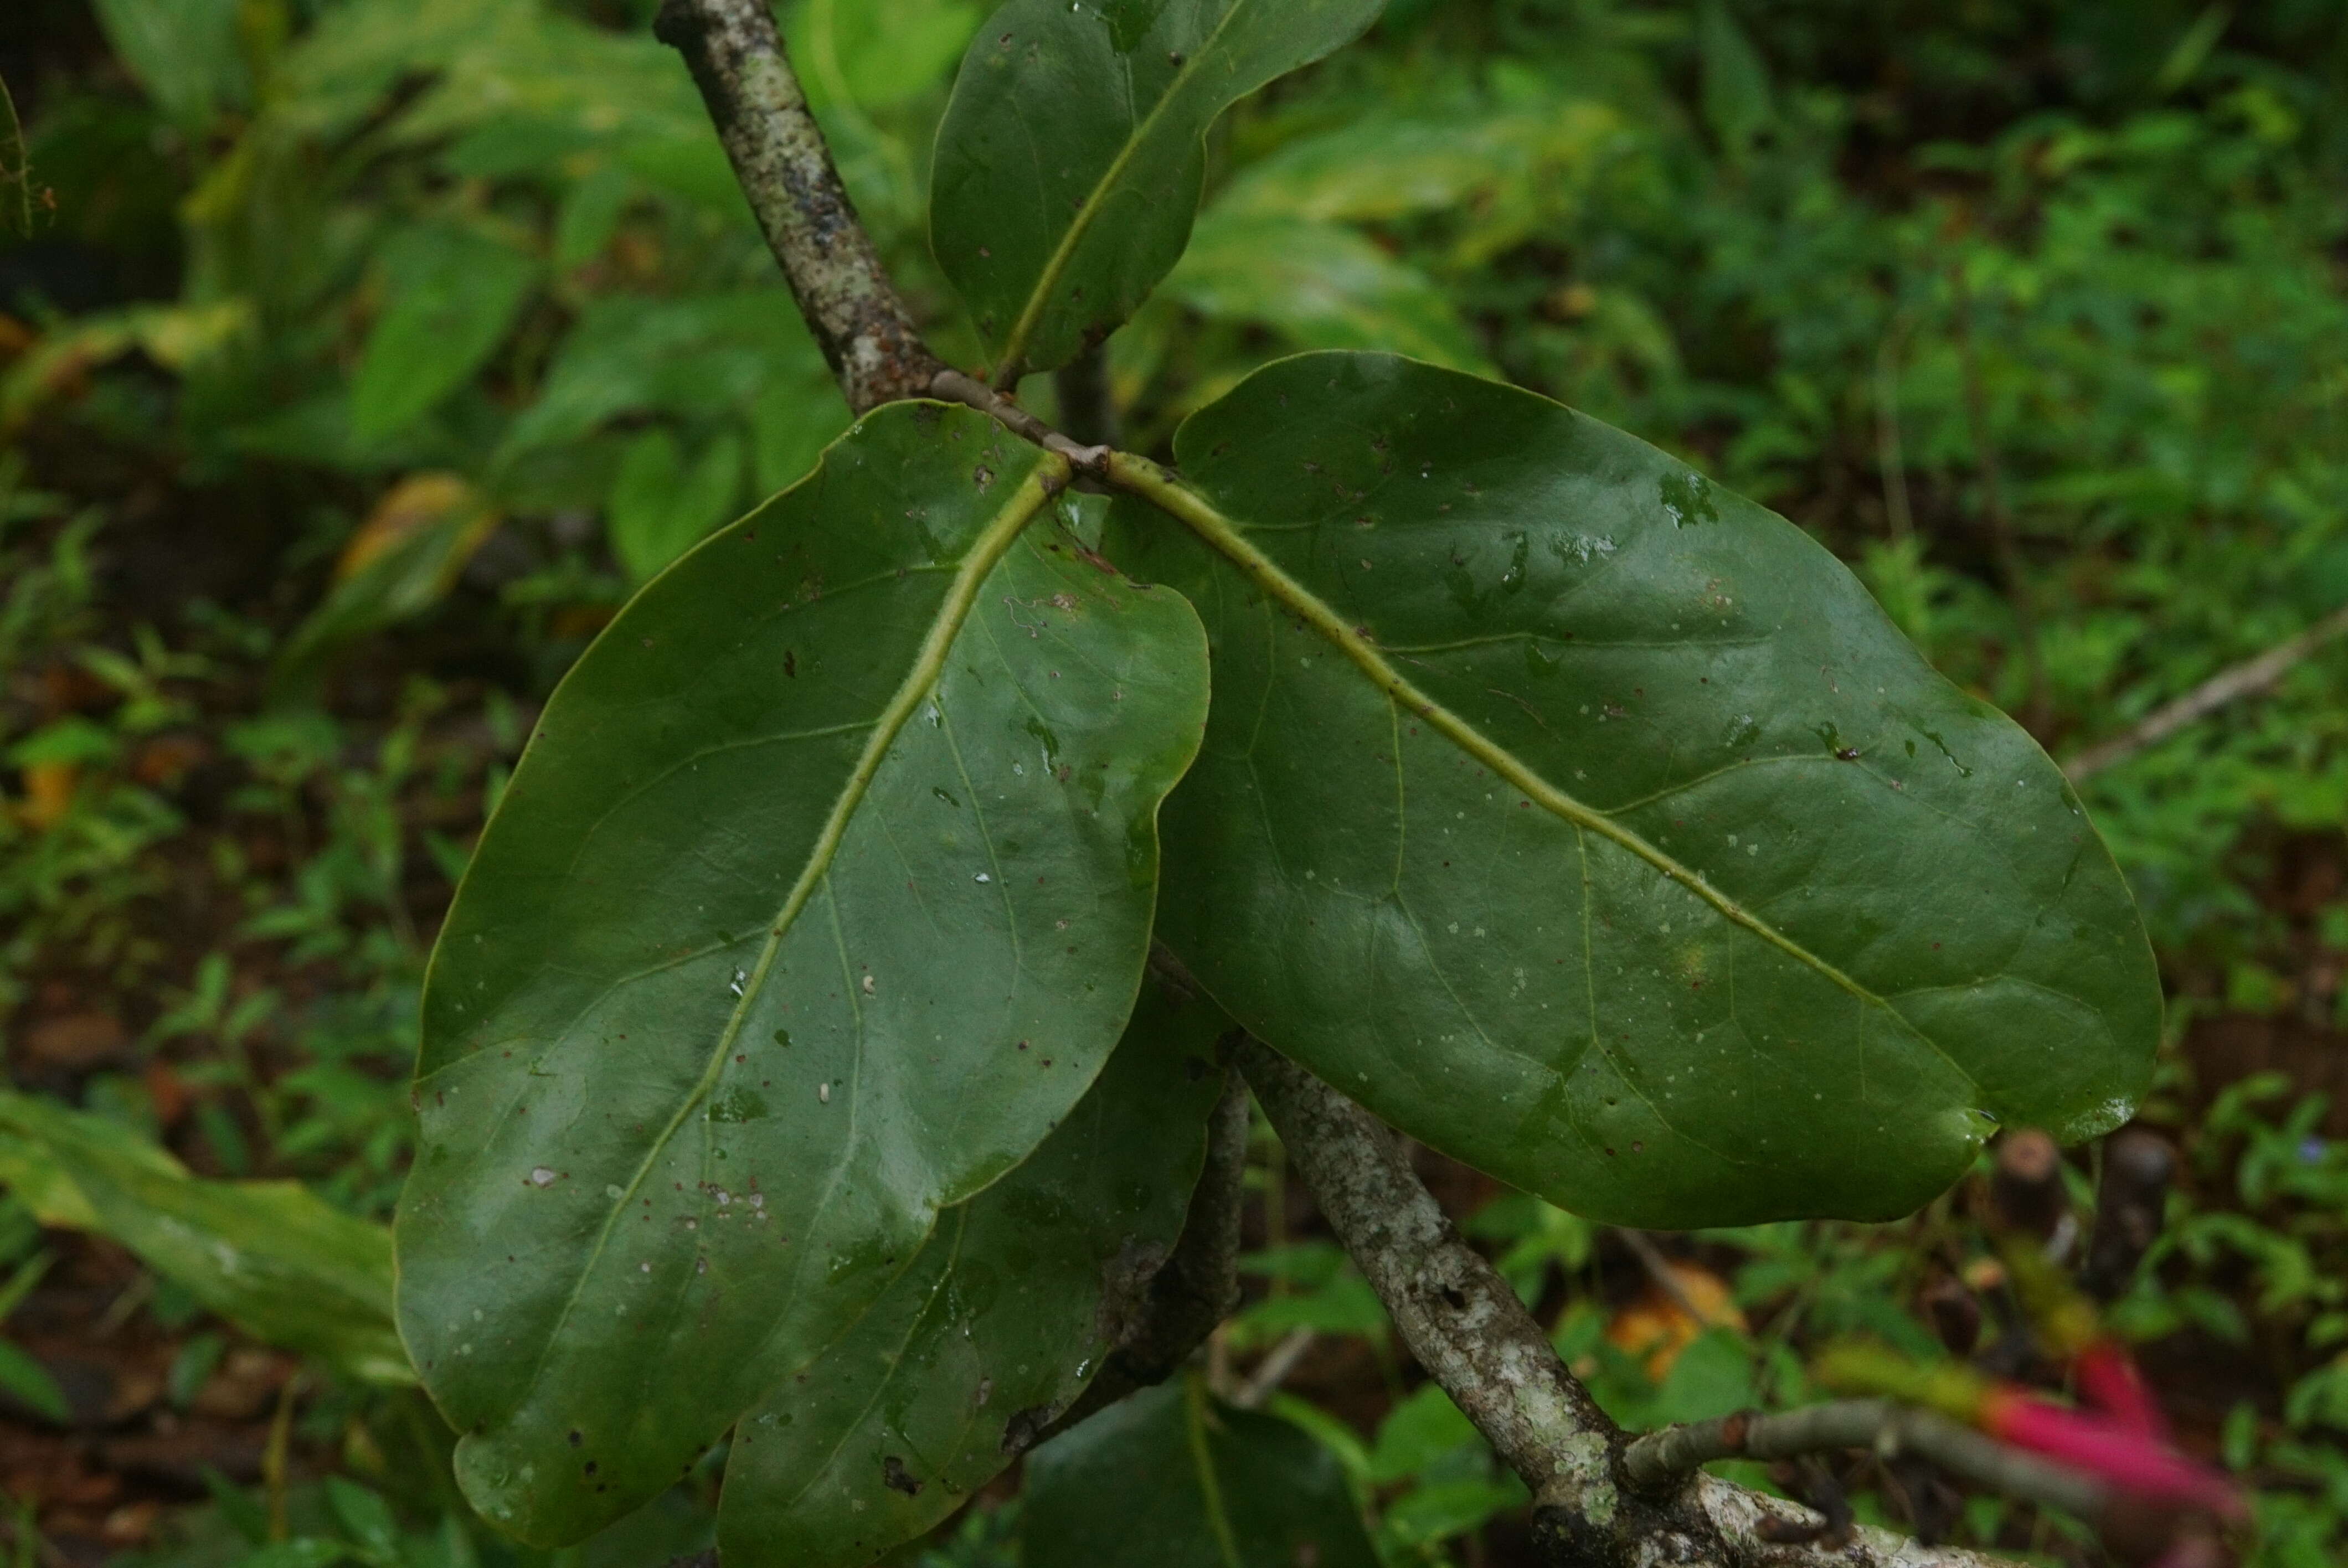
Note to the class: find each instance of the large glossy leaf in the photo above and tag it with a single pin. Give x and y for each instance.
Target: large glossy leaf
(996, 1326)
(270, 1256)
(1071, 159)
(820, 897)
(1174, 1479)
(1592, 824)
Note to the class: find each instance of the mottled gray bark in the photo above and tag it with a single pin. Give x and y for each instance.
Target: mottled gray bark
(1466, 1327)
(867, 335)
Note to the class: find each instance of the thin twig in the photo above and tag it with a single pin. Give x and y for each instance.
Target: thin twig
(1464, 1324)
(2245, 678)
(1273, 1370)
(780, 157)
(953, 386)
(1664, 1459)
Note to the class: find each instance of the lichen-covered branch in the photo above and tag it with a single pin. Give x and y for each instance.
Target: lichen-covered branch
(785, 168)
(1466, 1327)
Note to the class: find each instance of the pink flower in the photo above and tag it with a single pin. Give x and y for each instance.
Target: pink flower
(2109, 1380)
(2129, 1460)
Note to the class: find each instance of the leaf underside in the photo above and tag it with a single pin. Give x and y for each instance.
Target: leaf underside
(1173, 1479)
(995, 1328)
(819, 897)
(1070, 159)
(1590, 823)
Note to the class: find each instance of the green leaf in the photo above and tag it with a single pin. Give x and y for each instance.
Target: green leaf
(1418, 1434)
(591, 213)
(451, 295)
(818, 899)
(661, 508)
(883, 52)
(28, 1382)
(1321, 286)
(1736, 98)
(270, 1256)
(1592, 825)
(1379, 169)
(1071, 157)
(185, 52)
(1172, 1479)
(996, 1326)
(302, 1552)
(366, 1518)
(702, 357)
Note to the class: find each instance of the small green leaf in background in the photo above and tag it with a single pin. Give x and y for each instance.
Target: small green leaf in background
(366, 1518)
(21, 1376)
(1173, 1478)
(884, 51)
(28, 1382)
(451, 295)
(304, 1551)
(1322, 286)
(271, 1257)
(1453, 1483)
(819, 898)
(997, 1326)
(591, 213)
(1736, 98)
(662, 505)
(1592, 825)
(701, 360)
(1072, 156)
(187, 54)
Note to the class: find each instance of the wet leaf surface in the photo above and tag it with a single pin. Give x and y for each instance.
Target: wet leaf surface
(1072, 156)
(998, 1325)
(819, 898)
(1592, 824)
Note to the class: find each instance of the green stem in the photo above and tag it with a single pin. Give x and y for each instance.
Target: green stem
(1202, 1461)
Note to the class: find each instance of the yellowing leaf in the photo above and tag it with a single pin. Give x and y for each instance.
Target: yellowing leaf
(48, 792)
(1656, 1327)
(402, 561)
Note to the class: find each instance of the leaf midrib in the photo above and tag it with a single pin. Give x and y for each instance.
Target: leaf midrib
(1049, 476)
(1155, 484)
(1014, 345)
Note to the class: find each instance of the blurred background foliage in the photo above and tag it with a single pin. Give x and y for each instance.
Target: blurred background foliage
(358, 357)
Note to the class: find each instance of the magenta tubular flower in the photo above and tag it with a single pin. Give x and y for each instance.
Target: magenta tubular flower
(2129, 1461)
(2108, 1379)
